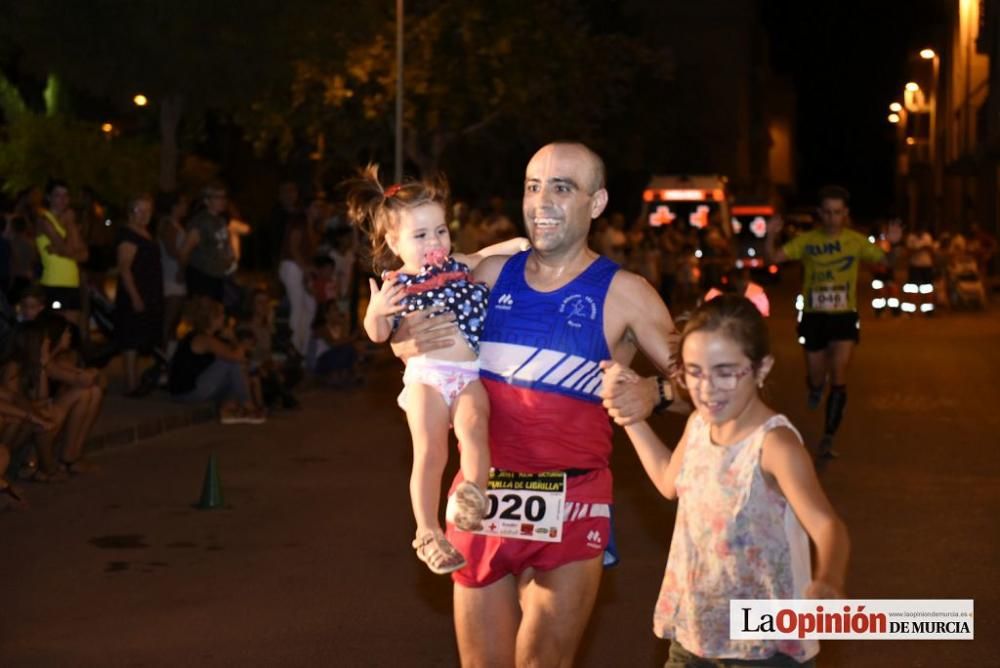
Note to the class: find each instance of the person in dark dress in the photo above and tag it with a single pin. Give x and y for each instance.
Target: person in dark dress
(139, 298)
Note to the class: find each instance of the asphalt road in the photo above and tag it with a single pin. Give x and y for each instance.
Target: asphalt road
(310, 564)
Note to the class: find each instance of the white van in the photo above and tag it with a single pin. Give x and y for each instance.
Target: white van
(697, 202)
(699, 207)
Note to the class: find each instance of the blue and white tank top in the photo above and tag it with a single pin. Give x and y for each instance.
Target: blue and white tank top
(548, 341)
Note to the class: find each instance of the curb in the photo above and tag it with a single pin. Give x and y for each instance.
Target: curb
(149, 428)
(155, 426)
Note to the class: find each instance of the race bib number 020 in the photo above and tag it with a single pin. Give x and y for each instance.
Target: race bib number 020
(527, 506)
(830, 298)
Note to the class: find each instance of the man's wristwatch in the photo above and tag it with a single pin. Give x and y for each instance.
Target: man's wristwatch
(666, 395)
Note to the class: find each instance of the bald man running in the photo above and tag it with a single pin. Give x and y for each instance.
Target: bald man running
(555, 312)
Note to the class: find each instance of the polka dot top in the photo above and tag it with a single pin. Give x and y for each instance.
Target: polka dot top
(448, 285)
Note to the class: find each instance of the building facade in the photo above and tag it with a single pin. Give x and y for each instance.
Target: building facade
(949, 134)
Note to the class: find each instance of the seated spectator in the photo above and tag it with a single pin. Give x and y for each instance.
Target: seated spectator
(323, 281)
(262, 324)
(24, 378)
(31, 303)
(275, 382)
(16, 413)
(206, 367)
(52, 391)
(332, 354)
(9, 495)
(245, 338)
(76, 392)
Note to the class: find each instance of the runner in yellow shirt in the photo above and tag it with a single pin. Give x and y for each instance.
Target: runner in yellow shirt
(829, 324)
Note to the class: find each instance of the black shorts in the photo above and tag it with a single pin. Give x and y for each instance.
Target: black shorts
(62, 299)
(200, 284)
(100, 259)
(921, 275)
(817, 330)
(884, 275)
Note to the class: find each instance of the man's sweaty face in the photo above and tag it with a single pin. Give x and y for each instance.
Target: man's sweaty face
(558, 186)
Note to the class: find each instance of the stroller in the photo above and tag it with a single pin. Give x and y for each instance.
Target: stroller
(965, 285)
(102, 313)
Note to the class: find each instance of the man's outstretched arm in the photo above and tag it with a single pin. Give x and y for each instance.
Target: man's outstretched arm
(649, 327)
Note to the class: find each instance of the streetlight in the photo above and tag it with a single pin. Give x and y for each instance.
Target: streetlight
(894, 118)
(895, 107)
(910, 141)
(140, 100)
(107, 128)
(932, 101)
(399, 92)
(912, 86)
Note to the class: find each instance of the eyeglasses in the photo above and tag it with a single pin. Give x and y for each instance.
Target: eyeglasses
(721, 379)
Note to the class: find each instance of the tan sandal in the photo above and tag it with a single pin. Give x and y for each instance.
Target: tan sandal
(468, 507)
(440, 555)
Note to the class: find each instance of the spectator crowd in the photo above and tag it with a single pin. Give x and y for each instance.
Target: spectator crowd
(152, 298)
(156, 292)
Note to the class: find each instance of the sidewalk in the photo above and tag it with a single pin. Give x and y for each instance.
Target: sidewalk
(124, 421)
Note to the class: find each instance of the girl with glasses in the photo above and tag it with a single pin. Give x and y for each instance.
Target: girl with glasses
(749, 499)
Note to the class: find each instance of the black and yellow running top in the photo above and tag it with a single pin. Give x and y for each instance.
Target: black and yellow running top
(830, 268)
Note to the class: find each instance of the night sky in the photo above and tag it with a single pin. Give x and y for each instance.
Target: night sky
(847, 61)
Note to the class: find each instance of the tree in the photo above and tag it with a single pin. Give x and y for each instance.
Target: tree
(184, 55)
(470, 68)
(37, 145)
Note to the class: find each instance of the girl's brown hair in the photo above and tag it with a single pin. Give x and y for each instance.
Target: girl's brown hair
(735, 316)
(375, 208)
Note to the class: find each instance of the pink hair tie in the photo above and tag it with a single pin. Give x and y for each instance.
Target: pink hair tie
(392, 190)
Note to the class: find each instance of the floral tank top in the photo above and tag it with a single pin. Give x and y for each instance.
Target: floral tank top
(735, 537)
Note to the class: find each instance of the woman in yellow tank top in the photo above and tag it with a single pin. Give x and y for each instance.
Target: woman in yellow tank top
(60, 249)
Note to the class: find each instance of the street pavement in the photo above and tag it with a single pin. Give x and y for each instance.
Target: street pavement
(309, 563)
